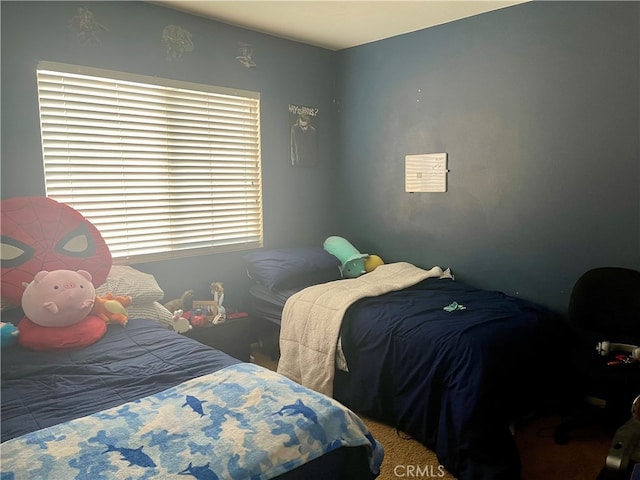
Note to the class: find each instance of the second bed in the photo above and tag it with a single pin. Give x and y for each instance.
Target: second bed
(449, 364)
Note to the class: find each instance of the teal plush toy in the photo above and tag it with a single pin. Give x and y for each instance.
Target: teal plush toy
(8, 334)
(352, 261)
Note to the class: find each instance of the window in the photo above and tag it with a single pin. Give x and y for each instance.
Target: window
(162, 168)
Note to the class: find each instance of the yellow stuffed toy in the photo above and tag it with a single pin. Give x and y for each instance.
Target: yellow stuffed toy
(372, 262)
(111, 309)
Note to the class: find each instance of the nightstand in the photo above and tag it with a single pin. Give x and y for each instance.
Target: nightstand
(233, 336)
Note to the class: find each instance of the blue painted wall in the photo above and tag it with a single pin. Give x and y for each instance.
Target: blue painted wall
(537, 106)
(295, 199)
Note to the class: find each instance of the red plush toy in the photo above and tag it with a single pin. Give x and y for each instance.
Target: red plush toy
(82, 334)
(39, 234)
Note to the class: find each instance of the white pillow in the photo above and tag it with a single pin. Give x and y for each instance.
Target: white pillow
(153, 311)
(127, 281)
(143, 290)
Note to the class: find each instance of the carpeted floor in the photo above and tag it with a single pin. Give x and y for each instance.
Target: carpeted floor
(581, 459)
(403, 457)
(541, 458)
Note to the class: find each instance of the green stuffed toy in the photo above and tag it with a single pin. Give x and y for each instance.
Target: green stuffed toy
(352, 261)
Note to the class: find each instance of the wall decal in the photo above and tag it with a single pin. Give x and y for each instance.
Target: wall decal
(177, 40)
(304, 146)
(245, 55)
(87, 26)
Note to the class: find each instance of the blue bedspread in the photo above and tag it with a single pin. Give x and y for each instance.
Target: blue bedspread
(242, 422)
(40, 389)
(452, 366)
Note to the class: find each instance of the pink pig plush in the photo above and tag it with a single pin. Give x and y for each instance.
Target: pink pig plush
(59, 298)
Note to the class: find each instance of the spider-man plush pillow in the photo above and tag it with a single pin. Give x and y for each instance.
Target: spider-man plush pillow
(38, 233)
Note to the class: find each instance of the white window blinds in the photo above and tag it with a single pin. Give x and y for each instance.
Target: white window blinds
(162, 168)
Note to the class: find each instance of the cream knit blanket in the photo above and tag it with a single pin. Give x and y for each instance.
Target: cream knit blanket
(312, 318)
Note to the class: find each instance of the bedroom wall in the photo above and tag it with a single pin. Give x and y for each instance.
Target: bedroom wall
(286, 72)
(537, 106)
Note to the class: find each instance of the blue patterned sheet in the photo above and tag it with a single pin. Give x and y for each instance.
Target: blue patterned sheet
(241, 422)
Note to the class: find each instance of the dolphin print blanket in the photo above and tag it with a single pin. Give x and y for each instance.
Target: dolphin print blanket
(224, 425)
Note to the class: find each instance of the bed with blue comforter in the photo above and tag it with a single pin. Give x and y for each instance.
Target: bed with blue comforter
(146, 402)
(454, 367)
(451, 365)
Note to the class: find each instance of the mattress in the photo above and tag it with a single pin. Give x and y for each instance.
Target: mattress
(267, 303)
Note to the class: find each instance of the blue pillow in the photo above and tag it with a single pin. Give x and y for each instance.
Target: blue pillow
(292, 267)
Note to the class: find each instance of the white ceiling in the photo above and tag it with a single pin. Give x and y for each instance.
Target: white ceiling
(335, 25)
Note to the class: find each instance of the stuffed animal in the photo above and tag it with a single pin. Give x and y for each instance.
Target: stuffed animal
(184, 303)
(8, 334)
(111, 309)
(352, 261)
(57, 308)
(180, 323)
(41, 237)
(38, 233)
(372, 262)
(218, 296)
(59, 298)
(46, 339)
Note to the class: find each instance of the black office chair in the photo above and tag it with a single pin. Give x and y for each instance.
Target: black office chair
(604, 314)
